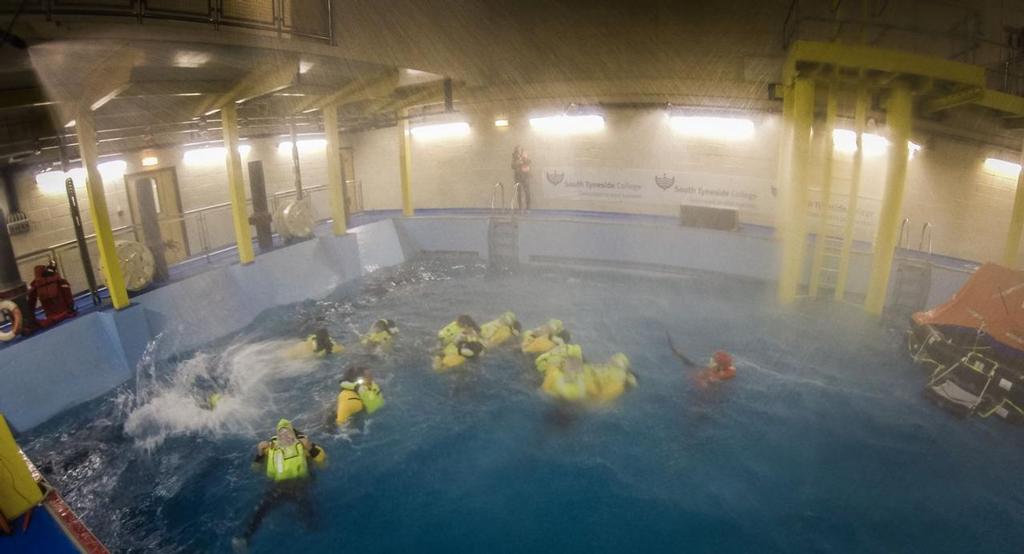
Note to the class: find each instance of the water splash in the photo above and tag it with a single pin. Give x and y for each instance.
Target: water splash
(245, 375)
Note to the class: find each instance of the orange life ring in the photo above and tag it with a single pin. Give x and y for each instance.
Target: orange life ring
(11, 312)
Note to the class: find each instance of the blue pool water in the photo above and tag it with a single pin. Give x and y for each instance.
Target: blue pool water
(823, 443)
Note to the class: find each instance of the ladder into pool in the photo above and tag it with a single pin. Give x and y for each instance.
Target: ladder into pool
(503, 230)
(913, 273)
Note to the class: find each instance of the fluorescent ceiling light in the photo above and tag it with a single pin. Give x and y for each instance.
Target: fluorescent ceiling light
(718, 128)
(305, 66)
(150, 161)
(51, 182)
(305, 145)
(501, 123)
(845, 141)
(112, 170)
(568, 124)
(190, 58)
(211, 155)
(1002, 168)
(441, 130)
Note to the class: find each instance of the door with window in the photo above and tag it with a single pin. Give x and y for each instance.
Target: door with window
(167, 200)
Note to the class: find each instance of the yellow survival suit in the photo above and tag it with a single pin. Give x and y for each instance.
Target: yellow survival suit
(382, 334)
(356, 396)
(496, 332)
(566, 382)
(459, 341)
(543, 338)
(606, 382)
(287, 462)
(308, 347)
(557, 357)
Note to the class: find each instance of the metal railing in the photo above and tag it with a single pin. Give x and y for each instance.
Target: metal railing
(498, 188)
(269, 15)
(207, 231)
(516, 204)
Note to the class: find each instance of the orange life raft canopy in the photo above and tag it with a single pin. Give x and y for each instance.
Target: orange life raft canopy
(989, 306)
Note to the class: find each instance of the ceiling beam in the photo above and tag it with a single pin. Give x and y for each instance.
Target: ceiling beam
(954, 99)
(263, 80)
(373, 86)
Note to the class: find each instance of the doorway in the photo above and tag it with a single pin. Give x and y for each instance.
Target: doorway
(353, 188)
(167, 200)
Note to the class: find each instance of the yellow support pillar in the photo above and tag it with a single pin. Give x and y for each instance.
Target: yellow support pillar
(831, 106)
(236, 185)
(1016, 222)
(86, 129)
(899, 121)
(859, 123)
(792, 218)
(785, 148)
(335, 181)
(405, 162)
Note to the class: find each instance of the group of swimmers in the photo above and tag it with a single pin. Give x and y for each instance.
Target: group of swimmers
(565, 376)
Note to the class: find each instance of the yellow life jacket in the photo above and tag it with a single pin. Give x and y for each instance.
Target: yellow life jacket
(286, 462)
(565, 384)
(495, 332)
(449, 333)
(378, 338)
(449, 358)
(606, 382)
(557, 356)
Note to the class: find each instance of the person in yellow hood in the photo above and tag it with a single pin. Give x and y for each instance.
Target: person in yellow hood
(543, 338)
(566, 382)
(381, 336)
(456, 354)
(497, 332)
(606, 382)
(559, 355)
(359, 392)
(463, 327)
(285, 459)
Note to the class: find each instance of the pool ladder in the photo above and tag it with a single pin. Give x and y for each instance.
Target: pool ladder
(913, 279)
(503, 229)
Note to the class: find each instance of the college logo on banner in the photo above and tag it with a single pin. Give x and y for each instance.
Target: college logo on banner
(664, 182)
(555, 177)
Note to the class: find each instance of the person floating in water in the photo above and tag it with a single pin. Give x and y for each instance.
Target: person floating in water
(557, 356)
(359, 392)
(285, 458)
(457, 342)
(381, 336)
(719, 368)
(497, 332)
(543, 338)
(319, 344)
(607, 382)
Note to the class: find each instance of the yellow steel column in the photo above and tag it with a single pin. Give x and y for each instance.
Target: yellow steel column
(782, 184)
(792, 218)
(826, 189)
(236, 185)
(335, 181)
(86, 129)
(1016, 221)
(899, 120)
(859, 123)
(405, 162)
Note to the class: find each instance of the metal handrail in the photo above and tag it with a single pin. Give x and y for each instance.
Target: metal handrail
(515, 205)
(904, 234)
(498, 187)
(926, 231)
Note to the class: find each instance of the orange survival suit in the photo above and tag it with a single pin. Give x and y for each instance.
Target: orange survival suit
(53, 293)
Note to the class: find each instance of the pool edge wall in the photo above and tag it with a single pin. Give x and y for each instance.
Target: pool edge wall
(87, 357)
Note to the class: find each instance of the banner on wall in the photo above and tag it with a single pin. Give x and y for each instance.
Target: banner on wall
(748, 194)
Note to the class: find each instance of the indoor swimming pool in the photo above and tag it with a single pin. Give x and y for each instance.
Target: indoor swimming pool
(822, 443)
